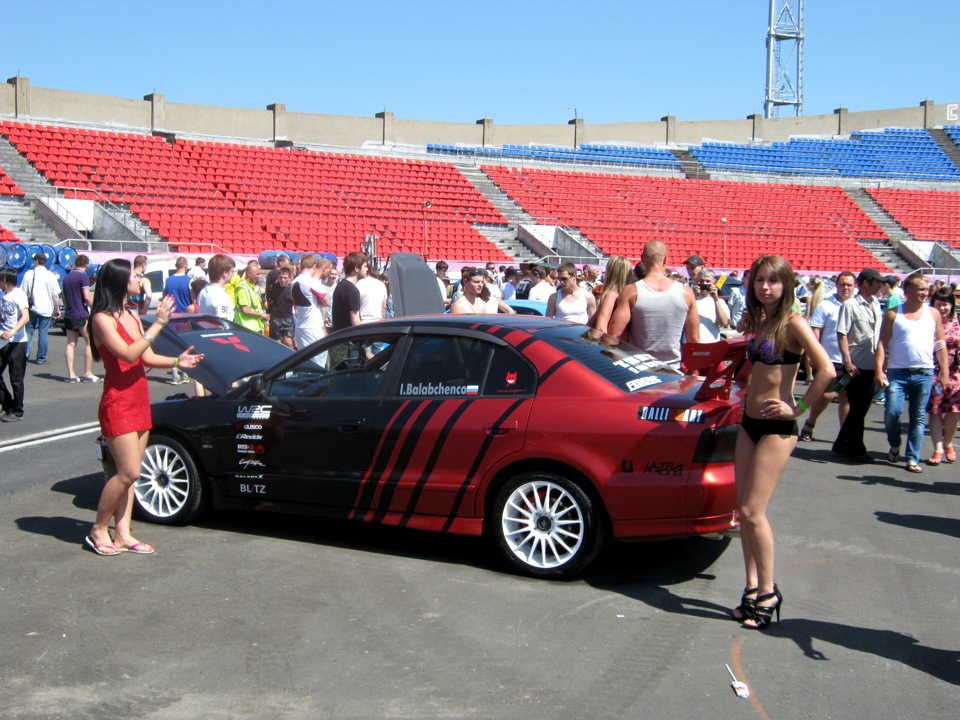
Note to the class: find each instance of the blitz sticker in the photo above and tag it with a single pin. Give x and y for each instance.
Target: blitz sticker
(434, 389)
(662, 414)
(254, 412)
(663, 469)
(253, 489)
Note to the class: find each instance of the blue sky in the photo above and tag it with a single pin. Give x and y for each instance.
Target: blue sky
(525, 61)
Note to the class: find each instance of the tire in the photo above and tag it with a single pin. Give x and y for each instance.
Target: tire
(546, 526)
(169, 491)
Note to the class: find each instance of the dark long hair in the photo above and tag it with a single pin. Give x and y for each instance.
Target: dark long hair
(110, 296)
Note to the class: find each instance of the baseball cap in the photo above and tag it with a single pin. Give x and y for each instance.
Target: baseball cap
(694, 260)
(869, 274)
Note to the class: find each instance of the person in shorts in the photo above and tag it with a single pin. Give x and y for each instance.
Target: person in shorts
(77, 298)
(280, 306)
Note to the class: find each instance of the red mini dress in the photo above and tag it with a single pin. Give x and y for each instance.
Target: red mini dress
(125, 405)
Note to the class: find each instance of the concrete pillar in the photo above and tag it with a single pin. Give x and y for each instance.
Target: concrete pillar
(157, 111)
(487, 124)
(279, 111)
(577, 131)
(669, 127)
(927, 106)
(756, 134)
(21, 95)
(841, 114)
(387, 118)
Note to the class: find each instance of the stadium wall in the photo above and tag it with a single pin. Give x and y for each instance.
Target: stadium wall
(20, 101)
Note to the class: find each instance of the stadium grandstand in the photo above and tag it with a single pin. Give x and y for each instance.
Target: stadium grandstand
(851, 190)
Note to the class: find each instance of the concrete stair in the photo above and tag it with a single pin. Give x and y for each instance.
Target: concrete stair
(883, 251)
(19, 217)
(504, 238)
(689, 165)
(946, 144)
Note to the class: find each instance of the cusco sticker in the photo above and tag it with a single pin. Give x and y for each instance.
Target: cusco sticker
(254, 412)
(662, 414)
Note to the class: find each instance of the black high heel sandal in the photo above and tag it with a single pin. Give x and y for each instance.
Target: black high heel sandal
(745, 608)
(762, 615)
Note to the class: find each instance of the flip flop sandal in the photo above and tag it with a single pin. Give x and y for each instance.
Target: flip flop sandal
(914, 468)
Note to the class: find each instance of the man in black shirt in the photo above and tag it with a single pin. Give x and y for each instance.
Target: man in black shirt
(346, 298)
(280, 306)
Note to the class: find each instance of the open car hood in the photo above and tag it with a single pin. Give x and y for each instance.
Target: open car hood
(230, 351)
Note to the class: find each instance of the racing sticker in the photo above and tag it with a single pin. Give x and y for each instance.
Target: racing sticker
(643, 382)
(638, 363)
(227, 339)
(254, 412)
(664, 414)
(663, 469)
(430, 389)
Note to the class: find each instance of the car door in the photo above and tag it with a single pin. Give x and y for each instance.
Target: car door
(311, 440)
(458, 405)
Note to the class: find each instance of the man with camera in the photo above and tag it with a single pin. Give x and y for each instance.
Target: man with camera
(714, 312)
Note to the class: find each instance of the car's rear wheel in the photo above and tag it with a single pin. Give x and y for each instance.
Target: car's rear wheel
(545, 525)
(169, 491)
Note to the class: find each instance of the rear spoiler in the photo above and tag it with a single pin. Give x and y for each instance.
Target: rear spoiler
(720, 363)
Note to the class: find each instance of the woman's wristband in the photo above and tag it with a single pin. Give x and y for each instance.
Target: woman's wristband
(802, 405)
(176, 361)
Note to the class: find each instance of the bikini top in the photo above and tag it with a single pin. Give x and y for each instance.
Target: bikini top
(765, 354)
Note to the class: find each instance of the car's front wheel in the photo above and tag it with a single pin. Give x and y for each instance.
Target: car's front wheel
(545, 525)
(169, 491)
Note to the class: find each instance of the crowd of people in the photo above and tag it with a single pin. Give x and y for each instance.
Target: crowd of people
(864, 341)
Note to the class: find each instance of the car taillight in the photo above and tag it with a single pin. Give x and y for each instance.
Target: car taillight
(716, 445)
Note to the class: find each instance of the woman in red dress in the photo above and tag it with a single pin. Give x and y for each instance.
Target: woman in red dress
(118, 340)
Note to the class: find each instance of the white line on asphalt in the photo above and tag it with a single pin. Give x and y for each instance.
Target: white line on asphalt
(47, 436)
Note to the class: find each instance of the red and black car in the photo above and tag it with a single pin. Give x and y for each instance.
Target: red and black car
(545, 436)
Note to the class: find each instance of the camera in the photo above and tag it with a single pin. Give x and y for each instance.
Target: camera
(706, 286)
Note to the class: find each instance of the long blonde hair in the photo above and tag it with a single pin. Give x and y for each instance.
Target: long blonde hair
(816, 295)
(754, 315)
(616, 276)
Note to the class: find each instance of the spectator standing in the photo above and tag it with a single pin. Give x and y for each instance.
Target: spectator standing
(14, 317)
(945, 406)
(442, 282)
(657, 310)
(475, 297)
(858, 326)
(309, 298)
(346, 298)
(373, 299)
(823, 321)
(280, 307)
(178, 286)
(199, 270)
(571, 302)
(272, 276)
(213, 299)
(43, 291)
(591, 278)
(714, 313)
(77, 299)
(693, 264)
(511, 278)
(120, 341)
(909, 336)
(139, 301)
(540, 289)
(615, 279)
(769, 424)
(737, 302)
(249, 312)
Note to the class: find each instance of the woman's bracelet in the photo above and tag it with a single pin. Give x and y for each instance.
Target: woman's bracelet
(802, 405)
(147, 338)
(176, 361)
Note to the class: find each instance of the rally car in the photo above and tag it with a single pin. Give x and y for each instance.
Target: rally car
(545, 436)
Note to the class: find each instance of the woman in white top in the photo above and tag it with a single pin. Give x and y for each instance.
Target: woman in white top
(570, 302)
(910, 335)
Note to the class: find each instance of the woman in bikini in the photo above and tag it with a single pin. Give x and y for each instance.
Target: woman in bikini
(781, 336)
(119, 341)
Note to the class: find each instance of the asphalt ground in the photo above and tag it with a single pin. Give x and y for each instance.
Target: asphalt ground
(254, 616)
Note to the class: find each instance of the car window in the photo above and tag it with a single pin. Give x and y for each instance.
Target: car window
(351, 368)
(452, 366)
(444, 366)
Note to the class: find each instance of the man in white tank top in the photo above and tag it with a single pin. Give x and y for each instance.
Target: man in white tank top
(910, 336)
(657, 310)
